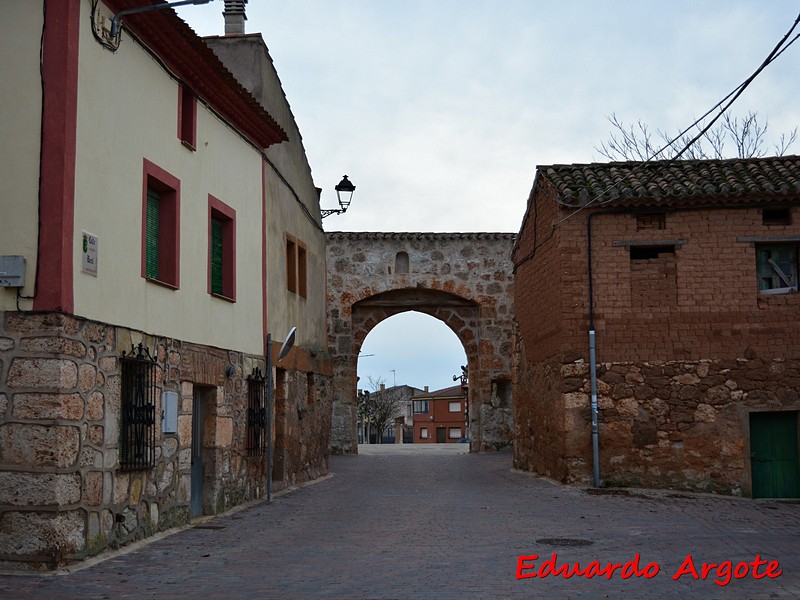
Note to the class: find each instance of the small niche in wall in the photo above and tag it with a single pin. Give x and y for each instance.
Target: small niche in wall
(776, 216)
(401, 263)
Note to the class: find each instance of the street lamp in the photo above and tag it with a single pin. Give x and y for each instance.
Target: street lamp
(344, 193)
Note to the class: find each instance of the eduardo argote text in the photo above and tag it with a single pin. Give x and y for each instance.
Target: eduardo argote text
(530, 567)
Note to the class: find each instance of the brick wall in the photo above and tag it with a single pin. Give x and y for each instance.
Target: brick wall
(687, 347)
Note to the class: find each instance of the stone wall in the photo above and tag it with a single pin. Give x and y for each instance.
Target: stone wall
(675, 424)
(63, 495)
(463, 279)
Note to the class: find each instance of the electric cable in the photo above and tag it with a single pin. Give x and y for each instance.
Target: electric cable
(779, 49)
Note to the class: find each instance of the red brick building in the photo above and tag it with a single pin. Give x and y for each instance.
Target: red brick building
(440, 416)
(687, 273)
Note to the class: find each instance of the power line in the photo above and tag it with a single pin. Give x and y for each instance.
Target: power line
(779, 49)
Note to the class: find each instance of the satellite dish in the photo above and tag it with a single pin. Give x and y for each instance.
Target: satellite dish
(288, 344)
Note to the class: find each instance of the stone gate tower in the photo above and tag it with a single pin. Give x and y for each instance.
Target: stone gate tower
(462, 279)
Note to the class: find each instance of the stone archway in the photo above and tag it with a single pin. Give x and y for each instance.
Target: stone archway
(462, 279)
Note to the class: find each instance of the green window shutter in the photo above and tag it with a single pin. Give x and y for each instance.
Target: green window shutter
(216, 256)
(151, 235)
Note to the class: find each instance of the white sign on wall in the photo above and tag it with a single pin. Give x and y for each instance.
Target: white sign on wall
(89, 253)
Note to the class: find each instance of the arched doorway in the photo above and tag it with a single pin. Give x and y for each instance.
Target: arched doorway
(462, 279)
(404, 356)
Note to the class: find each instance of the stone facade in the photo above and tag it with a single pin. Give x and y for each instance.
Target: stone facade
(462, 279)
(63, 495)
(688, 347)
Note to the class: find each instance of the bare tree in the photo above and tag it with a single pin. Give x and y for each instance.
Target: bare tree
(377, 408)
(747, 136)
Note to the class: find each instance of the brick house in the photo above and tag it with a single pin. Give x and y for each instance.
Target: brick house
(153, 235)
(687, 273)
(440, 416)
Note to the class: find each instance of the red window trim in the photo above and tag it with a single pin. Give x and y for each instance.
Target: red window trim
(169, 188)
(187, 117)
(221, 211)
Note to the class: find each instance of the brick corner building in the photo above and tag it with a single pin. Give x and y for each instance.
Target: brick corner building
(687, 273)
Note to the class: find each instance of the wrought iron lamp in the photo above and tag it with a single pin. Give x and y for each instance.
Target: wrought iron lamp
(344, 193)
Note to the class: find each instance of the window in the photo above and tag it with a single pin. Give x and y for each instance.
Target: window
(776, 216)
(650, 252)
(454, 407)
(423, 433)
(291, 265)
(651, 221)
(256, 414)
(420, 406)
(221, 249)
(454, 433)
(138, 410)
(296, 267)
(187, 117)
(160, 226)
(776, 265)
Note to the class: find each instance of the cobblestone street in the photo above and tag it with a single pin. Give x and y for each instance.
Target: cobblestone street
(435, 522)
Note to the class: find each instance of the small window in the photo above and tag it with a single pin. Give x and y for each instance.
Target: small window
(650, 252)
(138, 410)
(302, 268)
(776, 265)
(401, 263)
(222, 249)
(420, 406)
(454, 407)
(160, 226)
(423, 433)
(187, 117)
(256, 414)
(776, 216)
(454, 433)
(291, 265)
(651, 221)
(296, 266)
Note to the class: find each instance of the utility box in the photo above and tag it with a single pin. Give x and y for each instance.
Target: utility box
(12, 271)
(169, 404)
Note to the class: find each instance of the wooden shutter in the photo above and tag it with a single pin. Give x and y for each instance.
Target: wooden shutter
(151, 235)
(216, 257)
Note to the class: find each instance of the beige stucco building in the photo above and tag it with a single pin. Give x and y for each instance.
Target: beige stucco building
(164, 222)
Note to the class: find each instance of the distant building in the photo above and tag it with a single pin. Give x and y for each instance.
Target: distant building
(401, 429)
(440, 417)
(687, 273)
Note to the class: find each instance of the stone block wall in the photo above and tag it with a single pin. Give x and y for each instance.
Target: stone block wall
(463, 279)
(63, 496)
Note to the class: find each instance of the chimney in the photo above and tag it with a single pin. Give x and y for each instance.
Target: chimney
(426, 389)
(234, 16)
(383, 387)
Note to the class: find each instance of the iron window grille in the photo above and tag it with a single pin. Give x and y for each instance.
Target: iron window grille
(256, 414)
(137, 442)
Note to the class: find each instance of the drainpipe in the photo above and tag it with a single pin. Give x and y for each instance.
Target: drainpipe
(593, 357)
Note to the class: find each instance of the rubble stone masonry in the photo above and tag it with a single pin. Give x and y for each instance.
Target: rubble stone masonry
(63, 496)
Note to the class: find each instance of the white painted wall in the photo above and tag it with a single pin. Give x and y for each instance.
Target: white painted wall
(20, 131)
(127, 111)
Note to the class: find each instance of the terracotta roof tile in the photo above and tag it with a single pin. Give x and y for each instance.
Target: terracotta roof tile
(677, 183)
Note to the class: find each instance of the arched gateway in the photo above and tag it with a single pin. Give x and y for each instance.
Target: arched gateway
(463, 279)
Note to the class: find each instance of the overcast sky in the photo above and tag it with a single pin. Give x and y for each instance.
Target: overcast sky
(440, 110)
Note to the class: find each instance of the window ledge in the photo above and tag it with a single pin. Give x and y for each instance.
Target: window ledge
(223, 297)
(165, 284)
(189, 145)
